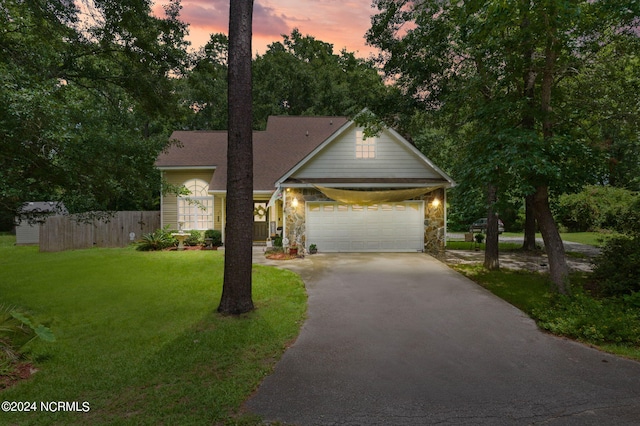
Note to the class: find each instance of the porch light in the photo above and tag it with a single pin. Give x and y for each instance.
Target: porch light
(435, 202)
(294, 202)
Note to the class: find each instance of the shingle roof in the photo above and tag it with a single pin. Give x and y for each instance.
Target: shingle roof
(42, 207)
(285, 142)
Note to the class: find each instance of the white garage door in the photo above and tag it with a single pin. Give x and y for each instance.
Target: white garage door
(336, 227)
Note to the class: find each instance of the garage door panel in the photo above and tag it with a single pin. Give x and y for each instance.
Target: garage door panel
(342, 246)
(383, 227)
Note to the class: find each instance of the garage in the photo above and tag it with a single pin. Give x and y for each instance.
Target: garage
(384, 227)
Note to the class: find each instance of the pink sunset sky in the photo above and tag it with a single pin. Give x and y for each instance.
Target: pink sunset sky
(342, 23)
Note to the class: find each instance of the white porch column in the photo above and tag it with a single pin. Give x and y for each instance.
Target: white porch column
(224, 218)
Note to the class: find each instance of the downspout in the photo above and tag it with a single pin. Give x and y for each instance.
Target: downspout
(284, 217)
(444, 190)
(161, 199)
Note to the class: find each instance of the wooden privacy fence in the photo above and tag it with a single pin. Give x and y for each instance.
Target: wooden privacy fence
(60, 233)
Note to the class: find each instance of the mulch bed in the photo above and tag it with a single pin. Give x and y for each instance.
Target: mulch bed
(191, 248)
(22, 371)
(280, 256)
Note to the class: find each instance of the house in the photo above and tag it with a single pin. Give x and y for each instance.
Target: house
(317, 180)
(31, 215)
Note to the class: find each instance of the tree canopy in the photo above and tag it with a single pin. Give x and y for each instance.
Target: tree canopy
(86, 101)
(498, 72)
(300, 75)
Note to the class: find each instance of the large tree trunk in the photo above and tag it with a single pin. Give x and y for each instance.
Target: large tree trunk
(558, 269)
(529, 76)
(236, 290)
(529, 224)
(491, 252)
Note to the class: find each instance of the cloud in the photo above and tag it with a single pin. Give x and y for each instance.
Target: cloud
(212, 16)
(267, 23)
(342, 23)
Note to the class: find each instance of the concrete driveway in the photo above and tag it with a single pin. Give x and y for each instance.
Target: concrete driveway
(400, 339)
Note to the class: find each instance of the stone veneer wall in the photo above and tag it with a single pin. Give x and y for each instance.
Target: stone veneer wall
(295, 217)
(434, 237)
(296, 221)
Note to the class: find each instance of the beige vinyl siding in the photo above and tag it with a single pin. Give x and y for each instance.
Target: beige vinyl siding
(392, 160)
(170, 201)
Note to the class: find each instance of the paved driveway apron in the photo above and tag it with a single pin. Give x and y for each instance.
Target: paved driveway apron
(400, 339)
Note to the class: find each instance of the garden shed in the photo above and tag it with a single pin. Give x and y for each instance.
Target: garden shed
(30, 217)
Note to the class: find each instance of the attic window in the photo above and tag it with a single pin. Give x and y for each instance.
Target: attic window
(365, 148)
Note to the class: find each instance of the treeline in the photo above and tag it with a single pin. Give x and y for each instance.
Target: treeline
(91, 91)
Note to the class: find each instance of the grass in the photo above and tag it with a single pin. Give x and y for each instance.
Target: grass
(610, 324)
(461, 245)
(138, 337)
(589, 238)
(522, 289)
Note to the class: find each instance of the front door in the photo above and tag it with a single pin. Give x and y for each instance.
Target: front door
(260, 221)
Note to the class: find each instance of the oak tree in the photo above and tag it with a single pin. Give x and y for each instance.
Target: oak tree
(499, 68)
(86, 101)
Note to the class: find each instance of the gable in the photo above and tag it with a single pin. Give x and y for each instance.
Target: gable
(343, 158)
(285, 142)
(308, 150)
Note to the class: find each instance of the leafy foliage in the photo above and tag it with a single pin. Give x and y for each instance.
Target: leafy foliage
(17, 329)
(496, 75)
(303, 76)
(86, 101)
(594, 208)
(581, 316)
(617, 268)
(300, 75)
(591, 320)
(606, 91)
(215, 235)
(194, 238)
(160, 239)
(203, 88)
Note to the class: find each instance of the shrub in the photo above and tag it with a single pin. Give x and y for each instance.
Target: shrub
(215, 235)
(160, 239)
(194, 238)
(630, 222)
(591, 320)
(617, 268)
(594, 208)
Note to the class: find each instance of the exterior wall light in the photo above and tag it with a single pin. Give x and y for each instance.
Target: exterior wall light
(294, 202)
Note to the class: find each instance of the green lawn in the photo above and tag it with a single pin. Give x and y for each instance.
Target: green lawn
(589, 238)
(138, 337)
(612, 324)
(462, 245)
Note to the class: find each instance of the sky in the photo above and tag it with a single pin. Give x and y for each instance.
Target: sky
(342, 23)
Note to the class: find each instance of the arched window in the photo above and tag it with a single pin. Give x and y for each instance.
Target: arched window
(196, 209)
